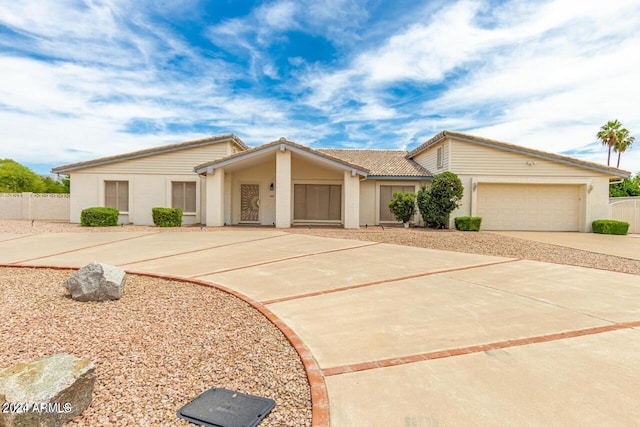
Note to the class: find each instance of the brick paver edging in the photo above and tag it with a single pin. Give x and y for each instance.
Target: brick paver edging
(319, 397)
(345, 369)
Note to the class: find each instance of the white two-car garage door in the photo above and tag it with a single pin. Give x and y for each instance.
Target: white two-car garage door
(528, 207)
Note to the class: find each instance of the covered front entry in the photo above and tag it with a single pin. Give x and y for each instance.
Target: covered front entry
(249, 202)
(317, 202)
(282, 183)
(535, 207)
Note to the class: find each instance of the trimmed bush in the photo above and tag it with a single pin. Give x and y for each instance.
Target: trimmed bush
(167, 217)
(610, 226)
(99, 217)
(438, 201)
(468, 223)
(403, 206)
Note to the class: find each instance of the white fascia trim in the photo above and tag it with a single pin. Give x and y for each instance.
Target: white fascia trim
(296, 150)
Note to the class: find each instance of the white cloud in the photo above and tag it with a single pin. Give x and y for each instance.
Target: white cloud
(541, 74)
(277, 16)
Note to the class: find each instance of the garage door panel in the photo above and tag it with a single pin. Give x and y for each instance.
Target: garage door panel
(529, 207)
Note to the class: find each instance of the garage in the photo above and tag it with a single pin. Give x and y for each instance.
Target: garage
(535, 207)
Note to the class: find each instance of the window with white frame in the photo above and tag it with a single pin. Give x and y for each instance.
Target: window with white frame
(439, 157)
(116, 195)
(183, 195)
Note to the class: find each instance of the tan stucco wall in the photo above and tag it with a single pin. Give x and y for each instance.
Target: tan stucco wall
(176, 162)
(594, 204)
(145, 193)
(367, 202)
(149, 182)
(11, 206)
(351, 195)
(284, 192)
(84, 194)
(473, 159)
(216, 182)
(477, 163)
(262, 174)
(39, 206)
(370, 199)
(307, 170)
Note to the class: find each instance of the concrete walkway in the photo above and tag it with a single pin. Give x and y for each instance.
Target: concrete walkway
(407, 336)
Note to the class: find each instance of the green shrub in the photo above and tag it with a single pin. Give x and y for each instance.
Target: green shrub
(438, 201)
(610, 226)
(167, 217)
(99, 217)
(403, 205)
(468, 223)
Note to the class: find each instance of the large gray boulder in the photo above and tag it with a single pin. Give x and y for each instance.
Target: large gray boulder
(96, 282)
(46, 392)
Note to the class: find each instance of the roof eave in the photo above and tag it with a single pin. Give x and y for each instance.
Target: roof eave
(278, 145)
(533, 153)
(148, 152)
(507, 147)
(399, 178)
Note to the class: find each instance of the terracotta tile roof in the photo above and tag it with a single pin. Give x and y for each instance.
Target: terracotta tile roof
(517, 149)
(380, 162)
(151, 151)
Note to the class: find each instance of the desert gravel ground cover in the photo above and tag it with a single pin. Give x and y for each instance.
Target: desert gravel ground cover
(484, 243)
(158, 347)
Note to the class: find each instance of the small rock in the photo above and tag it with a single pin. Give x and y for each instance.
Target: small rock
(46, 392)
(96, 282)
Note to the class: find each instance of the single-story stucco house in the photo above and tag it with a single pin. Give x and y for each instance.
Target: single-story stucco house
(219, 180)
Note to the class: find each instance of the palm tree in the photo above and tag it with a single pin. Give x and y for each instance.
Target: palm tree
(623, 142)
(608, 135)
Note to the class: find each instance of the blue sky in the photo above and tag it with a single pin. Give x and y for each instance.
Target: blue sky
(85, 79)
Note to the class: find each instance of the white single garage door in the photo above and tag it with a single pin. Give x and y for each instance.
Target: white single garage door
(529, 207)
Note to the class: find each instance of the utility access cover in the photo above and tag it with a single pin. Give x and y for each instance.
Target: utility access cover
(219, 407)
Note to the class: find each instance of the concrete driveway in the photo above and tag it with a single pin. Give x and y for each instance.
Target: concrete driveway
(407, 336)
(623, 246)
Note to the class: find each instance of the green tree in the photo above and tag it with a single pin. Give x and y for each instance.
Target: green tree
(629, 187)
(624, 141)
(16, 178)
(403, 206)
(53, 186)
(443, 197)
(608, 135)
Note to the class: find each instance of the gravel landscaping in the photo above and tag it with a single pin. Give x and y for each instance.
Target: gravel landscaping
(157, 348)
(484, 243)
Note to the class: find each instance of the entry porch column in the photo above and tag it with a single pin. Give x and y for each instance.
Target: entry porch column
(215, 198)
(283, 187)
(351, 200)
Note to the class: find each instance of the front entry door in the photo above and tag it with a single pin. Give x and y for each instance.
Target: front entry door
(249, 202)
